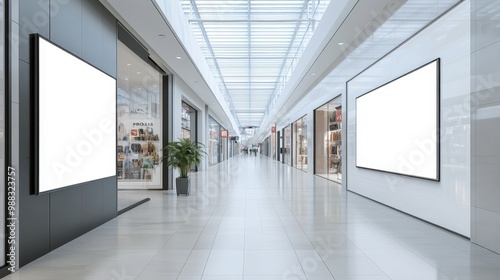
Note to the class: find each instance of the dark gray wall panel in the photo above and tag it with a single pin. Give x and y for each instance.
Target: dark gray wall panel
(24, 107)
(109, 47)
(65, 216)
(33, 210)
(92, 200)
(33, 18)
(33, 217)
(91, 26)
(66, 26)
(109, 193)
(50, 220)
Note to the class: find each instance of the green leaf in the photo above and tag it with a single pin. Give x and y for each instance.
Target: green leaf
(182, 154)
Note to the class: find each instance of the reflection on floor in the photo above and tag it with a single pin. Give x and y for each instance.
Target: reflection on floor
(302, 167)
(332, 176)
(251, 218)
(128, 198)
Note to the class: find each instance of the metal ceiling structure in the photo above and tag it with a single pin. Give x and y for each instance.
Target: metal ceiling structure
(354, 35)
(252, 46)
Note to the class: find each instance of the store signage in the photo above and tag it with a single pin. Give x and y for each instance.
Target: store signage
(143, 124)
(223, 133)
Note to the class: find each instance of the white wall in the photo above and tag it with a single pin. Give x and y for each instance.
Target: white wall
(182, 92)
(445, 203)
(485, 103)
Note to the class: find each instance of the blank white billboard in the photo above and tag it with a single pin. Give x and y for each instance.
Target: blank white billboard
(75, 119)
(397, 125)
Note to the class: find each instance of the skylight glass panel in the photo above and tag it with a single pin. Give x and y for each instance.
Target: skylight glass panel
(251, 45)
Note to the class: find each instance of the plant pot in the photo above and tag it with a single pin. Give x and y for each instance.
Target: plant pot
(182, 185)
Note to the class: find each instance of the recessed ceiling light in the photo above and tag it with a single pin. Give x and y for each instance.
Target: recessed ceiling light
(138, 73)
(178, 57)
(340, 44)
(126, 79)
(313, 74)
(128, 64)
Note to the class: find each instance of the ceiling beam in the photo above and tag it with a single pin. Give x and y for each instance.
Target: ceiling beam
(246, 20)
(281, 74)
(209, 46)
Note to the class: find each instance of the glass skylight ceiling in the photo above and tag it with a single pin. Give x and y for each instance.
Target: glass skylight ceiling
(253, 46)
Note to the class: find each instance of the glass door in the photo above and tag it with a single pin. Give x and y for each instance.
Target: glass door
(288, 145)
(213, 141)
(188, 125)
(140, 127)
(300, 143)
(279, 146)
(328, 140)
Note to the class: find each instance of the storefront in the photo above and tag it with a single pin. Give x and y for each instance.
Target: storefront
(287, 145)
(213, 141)
(273, 143)
(300, 144)
(234, 147)
(328, 143)
(279, 146)
(140, 122)
(265, 146)
(188, 125)
(188, 122)
(224, 137)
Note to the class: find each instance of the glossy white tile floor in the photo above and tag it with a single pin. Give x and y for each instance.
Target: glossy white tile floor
(252, 218)
(128, 198)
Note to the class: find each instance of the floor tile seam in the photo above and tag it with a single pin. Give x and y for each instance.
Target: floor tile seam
(211, 249)
(283, 226)
(142, 271)
(429, 263)
(375, 264)
(96, 261)
(407, 248)
(185, 262)
(197, 240)
(260, 220)
(244, 243)
(78, 272)
(298, 222)
(385, 235)
(127, 250)
(364, 251)
(316, 249)
(323, 259)
(294, 249)
(88, 266)
(204, 227)
(420, 258)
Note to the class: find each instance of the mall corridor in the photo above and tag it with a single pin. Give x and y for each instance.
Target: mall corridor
(252, 218)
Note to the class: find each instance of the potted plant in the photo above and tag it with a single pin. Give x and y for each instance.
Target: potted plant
(182, 154)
